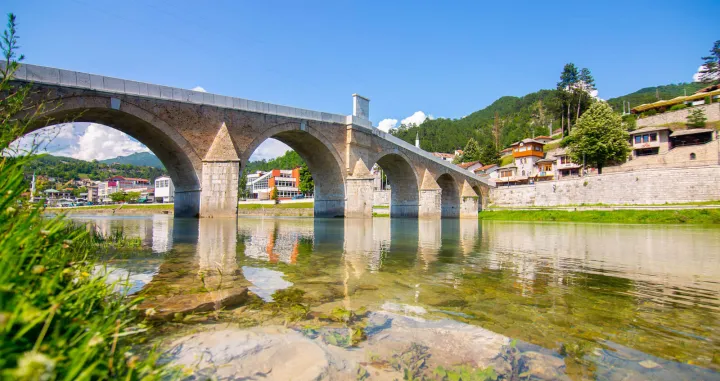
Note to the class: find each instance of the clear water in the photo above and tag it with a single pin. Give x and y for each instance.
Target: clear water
(605, 297)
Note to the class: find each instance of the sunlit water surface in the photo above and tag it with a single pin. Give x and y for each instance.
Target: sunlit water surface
(619, 294)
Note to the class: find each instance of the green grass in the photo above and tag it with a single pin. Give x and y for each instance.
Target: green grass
(687, 216)
(551, 146)
(381, 206)
(505, 160)
(690, 203)
(294, 205)
(124, 206)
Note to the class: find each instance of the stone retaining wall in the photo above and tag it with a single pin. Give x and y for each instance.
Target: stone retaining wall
(651, 186)
(712, 112)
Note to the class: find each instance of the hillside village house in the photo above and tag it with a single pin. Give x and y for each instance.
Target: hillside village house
(287, 181)
(471, 165)
(531, 164)
(525, 154)
(490, 170)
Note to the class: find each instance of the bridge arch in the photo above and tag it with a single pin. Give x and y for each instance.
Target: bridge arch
(450, 196)
(174, 151)
(404, 183)
(323, 161)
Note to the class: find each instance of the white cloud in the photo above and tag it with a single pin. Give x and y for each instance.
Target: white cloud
(86, 141)
(199, 88)
(696, 76)
(417, 118)
(387, 124)
(269, 149)
(101, 142)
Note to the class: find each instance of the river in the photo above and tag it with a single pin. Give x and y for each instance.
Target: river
(609, 301)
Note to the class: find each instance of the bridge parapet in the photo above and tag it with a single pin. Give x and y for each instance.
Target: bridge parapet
(76, 79)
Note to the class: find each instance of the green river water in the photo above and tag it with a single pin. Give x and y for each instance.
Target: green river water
(610, 301)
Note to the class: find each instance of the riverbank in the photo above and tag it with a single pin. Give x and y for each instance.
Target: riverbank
(675, 216)
(122, 209)
(296, 209)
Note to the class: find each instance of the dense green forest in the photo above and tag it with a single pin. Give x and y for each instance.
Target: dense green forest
(289, 160)
(654, 94)
(519, 118)
(138, 158)
(66, 168)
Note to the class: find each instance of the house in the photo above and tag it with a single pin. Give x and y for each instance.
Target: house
(649, 141)
(164, 189)
(563, 164)
(128, 182)
(444, 156)
(490, 170)
(543, 139)
(287, 182)
(506, 151)
(470, 166)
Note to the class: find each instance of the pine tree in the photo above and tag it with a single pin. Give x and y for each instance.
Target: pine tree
(696, 118)
(471, 151)
(710, 72)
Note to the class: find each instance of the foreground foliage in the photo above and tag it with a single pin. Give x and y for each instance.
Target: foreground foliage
(57, 319)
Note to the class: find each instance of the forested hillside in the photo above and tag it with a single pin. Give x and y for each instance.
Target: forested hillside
(139, 158)
(653, 94)
(289, 160)
(66, 168)
(519, 118)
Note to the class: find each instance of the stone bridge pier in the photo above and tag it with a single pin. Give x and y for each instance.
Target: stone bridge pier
(206, 140)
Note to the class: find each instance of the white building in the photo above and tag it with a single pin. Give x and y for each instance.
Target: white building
(287, 181)
(164, 189)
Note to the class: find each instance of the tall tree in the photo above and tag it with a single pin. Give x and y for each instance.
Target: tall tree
(471, 151)
(710, 71)
(599, 137)
(490, 154)
(307, 185)
(568, 79)
(497, 129)
(584, 89)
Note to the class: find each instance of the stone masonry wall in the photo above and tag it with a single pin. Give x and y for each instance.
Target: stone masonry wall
(651, 186)
(381, 197)
(712, 112)
(705, 154)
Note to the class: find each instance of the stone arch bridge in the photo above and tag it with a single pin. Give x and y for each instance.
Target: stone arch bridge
(205, 139)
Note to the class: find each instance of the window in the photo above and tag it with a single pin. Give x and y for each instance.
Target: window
(692, 156)
(646, 138)
(638, 139)
(653, 137)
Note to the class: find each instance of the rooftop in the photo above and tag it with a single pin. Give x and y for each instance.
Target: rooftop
(485, 167)
(648, 129)
(525, 141)
(467, 164)
(691, 131)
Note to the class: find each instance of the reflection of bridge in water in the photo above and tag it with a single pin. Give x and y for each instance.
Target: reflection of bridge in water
(642, 253)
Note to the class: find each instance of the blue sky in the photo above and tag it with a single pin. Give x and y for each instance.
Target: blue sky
(445, 59)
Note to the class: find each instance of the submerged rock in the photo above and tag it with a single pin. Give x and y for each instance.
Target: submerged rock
(167, 308)
(270, 353)
(539, 366)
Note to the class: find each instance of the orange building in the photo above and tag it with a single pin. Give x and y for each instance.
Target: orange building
(287, 181)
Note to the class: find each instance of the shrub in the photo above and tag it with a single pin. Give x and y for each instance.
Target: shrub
(57, 319)
(708, 100)
(679, 106)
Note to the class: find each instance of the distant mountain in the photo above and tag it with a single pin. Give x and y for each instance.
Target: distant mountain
(66, 168)
(140, 159)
